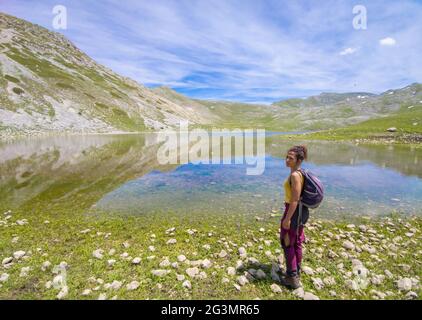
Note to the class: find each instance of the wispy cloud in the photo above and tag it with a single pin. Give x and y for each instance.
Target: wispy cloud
(348, 51)
(387, 41)
(244, 50)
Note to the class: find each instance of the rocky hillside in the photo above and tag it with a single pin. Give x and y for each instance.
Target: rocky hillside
(48, 84)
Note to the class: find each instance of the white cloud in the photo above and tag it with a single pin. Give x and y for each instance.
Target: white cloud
(388, 41)
(348, 51)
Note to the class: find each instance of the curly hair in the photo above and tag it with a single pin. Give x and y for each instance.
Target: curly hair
(301, 152)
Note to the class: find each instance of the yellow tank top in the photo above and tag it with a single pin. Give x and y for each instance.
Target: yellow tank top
(288, 189)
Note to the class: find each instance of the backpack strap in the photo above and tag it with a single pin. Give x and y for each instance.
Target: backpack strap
(299, 216)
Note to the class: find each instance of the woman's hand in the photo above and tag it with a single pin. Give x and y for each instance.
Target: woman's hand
(286, 224)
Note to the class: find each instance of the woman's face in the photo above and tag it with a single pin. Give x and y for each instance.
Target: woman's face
(291, 159)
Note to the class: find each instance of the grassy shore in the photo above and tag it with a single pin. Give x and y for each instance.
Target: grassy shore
(151, 257)
(408, 123)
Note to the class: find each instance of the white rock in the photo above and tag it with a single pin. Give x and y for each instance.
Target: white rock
(46, 265)
(225, 280)
(192, 272)
(136, 260)
(206, 264)
(329, 281)
(111, 262)
(19, 254)
(112, 252)
(4, 277)
(222, 254)
(411, 295)
(299, 292)
(181, 258)
(242, 252)
(180, 277)
(171, 241)
(165, 263)
(404, 284)
(102, 296)
(318, 284)
(231, 271)
(242, 280)
(175, 265)
(116, 285)
(348, 245)
(276, 288)
(86, 292)
(186, 284)
(7, 260)
(310, 296)
(160, 273)
(308, 270)
(206, 246)
(63, 293)
(388, 274)
(352, 285)
(151, 248)
(98, 254)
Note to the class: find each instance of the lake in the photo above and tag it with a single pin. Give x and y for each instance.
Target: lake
(120, 173)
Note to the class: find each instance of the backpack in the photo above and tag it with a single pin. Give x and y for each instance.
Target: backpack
(312, 191)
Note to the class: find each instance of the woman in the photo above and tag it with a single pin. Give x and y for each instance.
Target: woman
(291, 230)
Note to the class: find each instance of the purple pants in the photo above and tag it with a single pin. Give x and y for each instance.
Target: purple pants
(292, 251)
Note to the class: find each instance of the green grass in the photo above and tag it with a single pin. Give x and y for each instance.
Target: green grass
(62, 240)
(404, 121)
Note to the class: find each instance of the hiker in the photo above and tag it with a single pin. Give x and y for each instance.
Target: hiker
(291, 230)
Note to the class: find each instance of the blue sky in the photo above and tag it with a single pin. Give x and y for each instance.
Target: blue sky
(250, 50)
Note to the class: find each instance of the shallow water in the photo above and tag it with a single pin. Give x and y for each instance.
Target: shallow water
(121, 173)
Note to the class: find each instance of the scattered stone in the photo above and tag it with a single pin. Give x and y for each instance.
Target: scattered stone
(318, 284)
(86, 292)
(63, 293)
(276, 288)
(180, 277)
(307, 270)
(171, 241)
(151, 248)
(299, 292)
(206, 264)
(111, 262)
(222, 254)
(231, 271)
(242, 280)
(160, 273)
(392, 129)
(310, 296)
(186, 284)
(181, 258)
(19, 254)
(348, 245)
(411, 295)
(404, 284)
(46, 265)
(7, 260)
(4, 277)
(85, 231)
(98, 254)
(192, 272)
(165, 263)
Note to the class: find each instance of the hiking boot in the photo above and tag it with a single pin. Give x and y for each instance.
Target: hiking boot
(292, 282)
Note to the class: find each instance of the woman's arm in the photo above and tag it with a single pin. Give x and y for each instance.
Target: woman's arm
(296, 190)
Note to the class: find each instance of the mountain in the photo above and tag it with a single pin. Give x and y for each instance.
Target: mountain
(48, 84)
